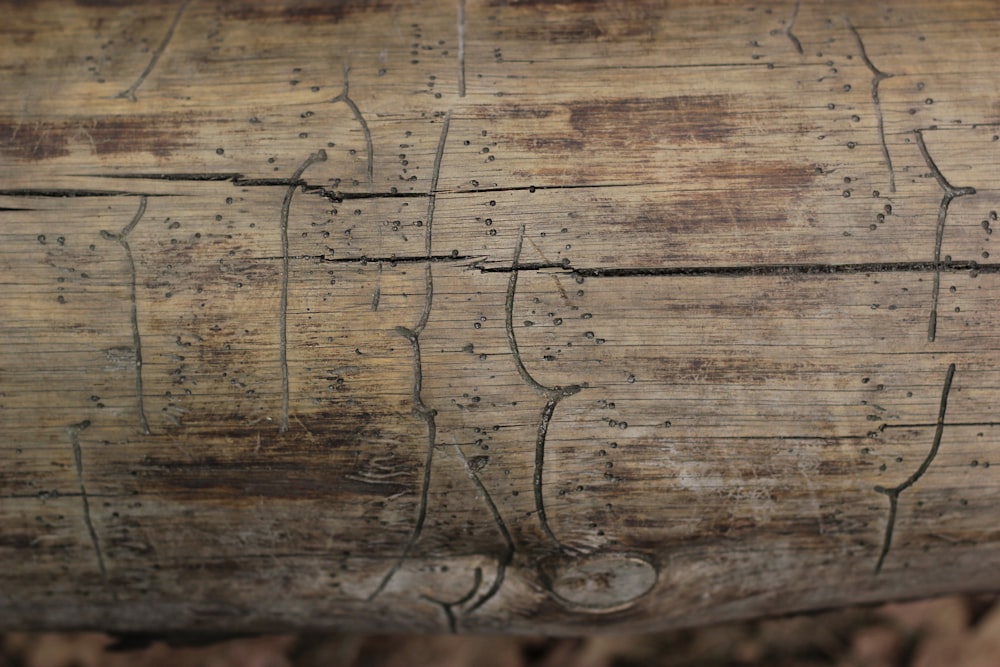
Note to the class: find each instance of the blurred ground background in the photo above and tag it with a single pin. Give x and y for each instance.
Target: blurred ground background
(945, 632)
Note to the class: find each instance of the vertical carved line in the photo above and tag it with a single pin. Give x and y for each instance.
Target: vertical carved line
(420, 408)
(122, 239)
(893, 493)
(129, 93)
(286, 205)
(553, 396)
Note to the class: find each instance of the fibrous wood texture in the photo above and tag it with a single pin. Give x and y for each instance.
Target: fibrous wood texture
(522, 317)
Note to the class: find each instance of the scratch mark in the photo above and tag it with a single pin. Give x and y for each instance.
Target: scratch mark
(286, 205)
(555, 277)
(449, 606)
(122, 239)
(791, 24)
(74, 431)
(950, 193)
(552, 395)
(461, 48)
(377, 294)
(893, 493)
(420, 409)
(508, 555)
(345, 97)
(129, 93)
(878, 76)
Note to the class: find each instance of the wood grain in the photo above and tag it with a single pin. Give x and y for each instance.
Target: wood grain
(486, 316)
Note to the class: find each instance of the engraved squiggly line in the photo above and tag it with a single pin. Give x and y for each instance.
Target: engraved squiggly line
(286, 205)
(878, 76)
(950, 193)
(122, 239)
(791, 24)
(893, 493)
(552, 395)
(449, 606)
(502, 562)
(129, 93)
(345, 97)
(74, 431)
(420, 409)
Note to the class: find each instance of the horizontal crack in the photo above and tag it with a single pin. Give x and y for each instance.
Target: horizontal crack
(37, 192)
(754, 270)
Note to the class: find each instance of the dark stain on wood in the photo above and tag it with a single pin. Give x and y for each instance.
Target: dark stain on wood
(32, 141)
(306, 13)
(42, 140)
(620, 123)
(582, 4)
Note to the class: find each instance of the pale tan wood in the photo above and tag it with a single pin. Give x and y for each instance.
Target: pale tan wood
(478, 316)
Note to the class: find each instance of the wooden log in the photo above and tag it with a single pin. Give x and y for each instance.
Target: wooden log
(488, 316)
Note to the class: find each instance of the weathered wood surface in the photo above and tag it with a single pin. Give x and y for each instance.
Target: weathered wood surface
(495, 317)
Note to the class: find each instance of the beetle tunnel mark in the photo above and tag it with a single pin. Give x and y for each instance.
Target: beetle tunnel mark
(74, 431)
(421, 409)
(129, 93)
(893, 493)
(122, 239)
(552, 395)
(286, 204)
(878, 76)
(950, 193)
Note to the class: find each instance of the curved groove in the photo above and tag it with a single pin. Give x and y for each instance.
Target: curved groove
(950, 193)
(508, 556)
(345, 97)
(448, 606)
(878, 76)
(122, 239)
(791, 24)
(552, 395)
(74, 431)
(893, 493)
(420, 409)
(286, 205)
(129, 93)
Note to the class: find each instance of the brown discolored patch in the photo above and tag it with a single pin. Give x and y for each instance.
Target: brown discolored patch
(136, 134)
(123, 3)
(32, 141)
(548, 3)
(547, 144)
(45, 140)
(579, 21)
(515, 111)
(629, 122)
(264, 474)
(303, 12)
(579, 29)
